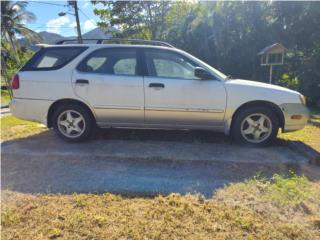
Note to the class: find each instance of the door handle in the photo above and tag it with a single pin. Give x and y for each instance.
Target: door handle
(156, 85)
(82, 81)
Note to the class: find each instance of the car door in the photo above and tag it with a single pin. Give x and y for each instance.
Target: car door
(109, 80)
(174, 97)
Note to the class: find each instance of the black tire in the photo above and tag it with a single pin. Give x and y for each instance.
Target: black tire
(88, 122)
(243, 114)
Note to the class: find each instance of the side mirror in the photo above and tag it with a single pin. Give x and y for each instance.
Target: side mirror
(202, 74)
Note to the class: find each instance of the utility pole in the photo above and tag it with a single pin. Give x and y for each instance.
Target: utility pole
(76, 13)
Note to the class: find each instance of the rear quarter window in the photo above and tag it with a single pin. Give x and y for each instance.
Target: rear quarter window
(52, 58)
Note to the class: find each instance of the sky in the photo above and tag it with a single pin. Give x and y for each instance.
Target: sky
(47, 18)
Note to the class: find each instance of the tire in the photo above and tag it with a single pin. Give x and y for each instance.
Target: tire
(255, 126)
(73, 123)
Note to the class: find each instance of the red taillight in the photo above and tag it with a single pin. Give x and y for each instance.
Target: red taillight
(15, 83)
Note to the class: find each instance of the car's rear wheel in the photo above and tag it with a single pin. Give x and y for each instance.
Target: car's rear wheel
(256, 126)
(73, 123)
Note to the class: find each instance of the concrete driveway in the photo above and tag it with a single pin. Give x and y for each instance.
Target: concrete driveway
(137, 162)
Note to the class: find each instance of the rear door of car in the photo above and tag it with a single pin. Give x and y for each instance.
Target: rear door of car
(175, 97)
(110, 80)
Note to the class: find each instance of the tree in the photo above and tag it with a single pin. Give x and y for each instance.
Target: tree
(134, 19)
(13, 19)
(228, 35)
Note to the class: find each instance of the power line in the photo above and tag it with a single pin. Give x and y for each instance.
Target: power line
(48, 3)
(88, 17)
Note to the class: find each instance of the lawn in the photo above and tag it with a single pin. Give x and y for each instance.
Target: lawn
(310, 136)
(284, 208)
(277, 208)
(13, 128)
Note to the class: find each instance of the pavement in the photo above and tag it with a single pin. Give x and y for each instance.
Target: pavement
(5, 111)
(139, 162)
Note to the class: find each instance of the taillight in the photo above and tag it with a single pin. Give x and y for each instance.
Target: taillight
(15, 83)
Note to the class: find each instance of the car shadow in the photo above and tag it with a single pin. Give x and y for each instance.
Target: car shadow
(190, 136)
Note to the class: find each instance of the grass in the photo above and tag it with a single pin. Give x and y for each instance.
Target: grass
(310, 135)
(279, 208)
(283, 208)
(13, 128)
(5, 97)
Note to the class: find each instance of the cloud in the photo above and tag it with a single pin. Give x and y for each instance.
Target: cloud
(85, 5)
(73, 24)
(54, 25)
(89, 25)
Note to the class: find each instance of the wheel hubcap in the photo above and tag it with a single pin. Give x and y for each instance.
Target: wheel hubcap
(256, 127)
(71, 123)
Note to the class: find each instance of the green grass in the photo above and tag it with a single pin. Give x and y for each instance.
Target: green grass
(283, 208)
(5, 97)
(310, 136)
(13, 128)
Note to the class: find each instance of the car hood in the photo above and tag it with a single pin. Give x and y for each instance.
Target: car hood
(248, 83)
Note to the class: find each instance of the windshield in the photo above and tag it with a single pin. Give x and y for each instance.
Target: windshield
(214, 71)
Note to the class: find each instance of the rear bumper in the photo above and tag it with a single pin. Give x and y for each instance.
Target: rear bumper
(296, 116)
(30, 109)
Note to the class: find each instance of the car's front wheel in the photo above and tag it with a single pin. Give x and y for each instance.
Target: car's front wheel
(256, 126)
(73, 123)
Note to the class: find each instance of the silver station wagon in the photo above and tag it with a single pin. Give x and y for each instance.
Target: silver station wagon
(147, 84)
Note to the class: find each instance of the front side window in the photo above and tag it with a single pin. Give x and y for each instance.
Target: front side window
(53, 58)
(110, 61)
(169, 65)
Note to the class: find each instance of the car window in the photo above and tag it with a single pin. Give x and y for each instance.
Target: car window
(110, 61)
(96, 62)
(125, 66)
(169, 65)
(52, 58)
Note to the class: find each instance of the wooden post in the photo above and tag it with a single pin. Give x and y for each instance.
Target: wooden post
(270, 77)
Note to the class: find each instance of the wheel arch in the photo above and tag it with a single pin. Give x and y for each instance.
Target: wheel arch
(261, 103)
(60, 102)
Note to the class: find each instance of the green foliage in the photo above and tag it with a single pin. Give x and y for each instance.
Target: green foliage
(228, 35)
(11, 64)
(13, 18)
(134, 19)
(289, 81)
(5, 97)
(292, 190)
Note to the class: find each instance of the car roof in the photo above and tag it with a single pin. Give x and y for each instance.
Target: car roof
(106, 45)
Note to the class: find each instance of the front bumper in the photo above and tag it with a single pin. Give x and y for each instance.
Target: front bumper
(296, 116)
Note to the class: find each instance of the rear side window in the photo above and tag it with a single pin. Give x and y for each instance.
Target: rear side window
(52, 58)
(113, 61)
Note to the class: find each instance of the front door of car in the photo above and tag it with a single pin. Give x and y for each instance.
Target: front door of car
(175, 97)
(110, 81)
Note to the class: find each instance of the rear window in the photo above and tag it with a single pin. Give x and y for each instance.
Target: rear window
(52, 58)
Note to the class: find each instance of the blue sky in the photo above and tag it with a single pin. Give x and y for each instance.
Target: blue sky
(48, 20)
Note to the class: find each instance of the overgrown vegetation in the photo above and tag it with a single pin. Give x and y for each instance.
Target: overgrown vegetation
(13, 128)
(283, 208)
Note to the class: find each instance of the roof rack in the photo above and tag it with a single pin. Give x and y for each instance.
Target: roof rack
(118, 41)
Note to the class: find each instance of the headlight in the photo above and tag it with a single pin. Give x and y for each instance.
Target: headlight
(302, 99)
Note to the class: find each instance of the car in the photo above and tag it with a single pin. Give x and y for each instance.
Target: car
(74, 88)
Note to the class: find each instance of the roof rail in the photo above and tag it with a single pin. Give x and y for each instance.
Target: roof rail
(118, 41)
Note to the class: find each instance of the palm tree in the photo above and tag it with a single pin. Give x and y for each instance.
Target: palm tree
(13, 19)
